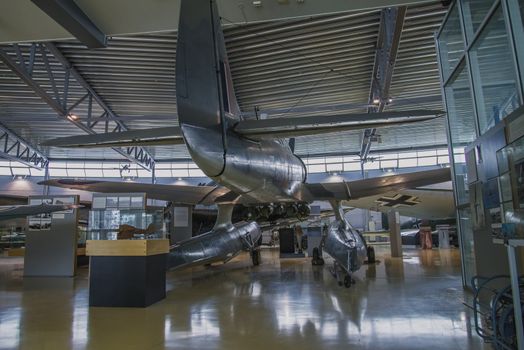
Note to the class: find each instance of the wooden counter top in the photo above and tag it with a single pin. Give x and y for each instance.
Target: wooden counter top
(138, 247)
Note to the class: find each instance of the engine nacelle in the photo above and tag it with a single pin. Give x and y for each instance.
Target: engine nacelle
(220, 244)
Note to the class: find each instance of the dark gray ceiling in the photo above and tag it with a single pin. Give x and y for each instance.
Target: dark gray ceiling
(299, 66)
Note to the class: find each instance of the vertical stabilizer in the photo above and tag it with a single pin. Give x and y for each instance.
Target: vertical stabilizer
(205, 96)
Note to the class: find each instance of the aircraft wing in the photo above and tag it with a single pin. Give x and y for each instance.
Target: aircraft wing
(209, 195)
(423, 203)
(20, 211)
(352, 190)
(254, 129)
(146, 137)
(182, 194)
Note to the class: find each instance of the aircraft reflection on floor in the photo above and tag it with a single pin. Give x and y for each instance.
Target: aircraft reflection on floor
(237, 306)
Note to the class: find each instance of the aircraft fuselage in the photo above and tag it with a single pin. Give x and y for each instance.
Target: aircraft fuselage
(265, 170)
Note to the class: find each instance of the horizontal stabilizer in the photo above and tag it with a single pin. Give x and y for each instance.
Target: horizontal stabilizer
(144, 137)
(313, 125)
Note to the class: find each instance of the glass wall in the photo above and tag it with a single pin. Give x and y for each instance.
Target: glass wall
(451, 43)
(461, 120)
(494, 73)
(187, 169)
(474, 12)
(479, 51)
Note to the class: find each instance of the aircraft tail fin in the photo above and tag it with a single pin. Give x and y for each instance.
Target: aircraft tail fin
(204, 87)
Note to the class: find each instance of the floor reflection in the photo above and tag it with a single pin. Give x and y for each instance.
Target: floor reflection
(412, 302)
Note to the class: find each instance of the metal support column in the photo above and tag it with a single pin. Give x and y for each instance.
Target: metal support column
(390, 30)
(395, 239)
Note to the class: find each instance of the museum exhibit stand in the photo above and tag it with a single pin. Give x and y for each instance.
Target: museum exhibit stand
(127, 248)
(127, 273)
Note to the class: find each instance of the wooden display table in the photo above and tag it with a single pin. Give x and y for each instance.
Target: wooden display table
(127, 273)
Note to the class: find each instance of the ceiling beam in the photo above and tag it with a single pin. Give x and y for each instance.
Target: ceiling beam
(15, 148)
(59, 103)
(390, 31)
(74, 20)
(22, 21)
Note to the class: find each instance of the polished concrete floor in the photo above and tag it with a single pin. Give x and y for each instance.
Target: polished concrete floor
(409, 303)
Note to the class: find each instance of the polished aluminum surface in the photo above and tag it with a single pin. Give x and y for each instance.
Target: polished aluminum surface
(345, 245)
(413, 303)
(220, 244)
(266, 171)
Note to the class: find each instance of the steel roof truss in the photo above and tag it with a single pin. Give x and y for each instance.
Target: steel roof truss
(59, 100)
(15, 148)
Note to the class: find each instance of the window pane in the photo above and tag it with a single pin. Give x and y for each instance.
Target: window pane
(451, 44)
(5, 170)
(443, 159)
(407, 163)
(76, 172)
(75, 165)
(427, 161)
(316, 168)
(494, 73)
(111, 172)
(162, 172)
(408, 155)
(20, 171)
(461, 125)
(474, 13)
(388, 163)
(143, 173)
(371, 165)
(180, 173)
(334, 167)
(422, 154)
(57, 172)
(94, 173)
(334, 160)
(196, 173)
(352, 166)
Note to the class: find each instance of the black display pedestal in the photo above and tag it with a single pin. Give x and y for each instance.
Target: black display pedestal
(127, 281)
(287, 243)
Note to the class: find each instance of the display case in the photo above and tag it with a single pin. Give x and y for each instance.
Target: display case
(124, 216)
(510, 161)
